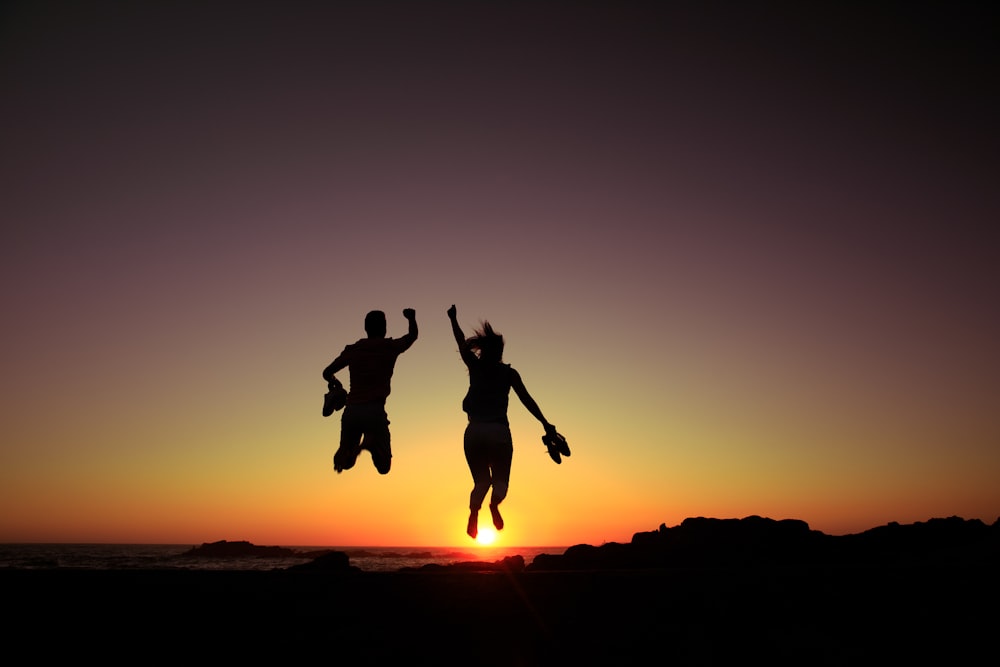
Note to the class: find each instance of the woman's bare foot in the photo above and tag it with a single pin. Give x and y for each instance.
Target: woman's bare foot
(473, 527)
(497, 519)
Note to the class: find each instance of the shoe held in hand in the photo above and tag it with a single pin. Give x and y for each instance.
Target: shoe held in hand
(335, 399)
(556, 445)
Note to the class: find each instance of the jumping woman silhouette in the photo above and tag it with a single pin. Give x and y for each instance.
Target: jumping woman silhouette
(488, 443)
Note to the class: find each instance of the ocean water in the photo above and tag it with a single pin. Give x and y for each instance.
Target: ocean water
(172, 556)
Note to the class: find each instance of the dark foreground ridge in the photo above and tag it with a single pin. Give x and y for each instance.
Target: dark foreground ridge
(706, 542)
(706, 592)
(750, 542)
(757, 541)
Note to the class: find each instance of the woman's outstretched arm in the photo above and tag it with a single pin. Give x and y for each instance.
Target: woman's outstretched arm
(517, 384)
(463, 348)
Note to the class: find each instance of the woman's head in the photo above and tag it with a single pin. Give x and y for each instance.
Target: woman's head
(487, 342)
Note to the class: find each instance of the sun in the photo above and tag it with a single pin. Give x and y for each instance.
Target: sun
(486, 537)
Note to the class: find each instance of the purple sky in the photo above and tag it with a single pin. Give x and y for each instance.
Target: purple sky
(763, 230)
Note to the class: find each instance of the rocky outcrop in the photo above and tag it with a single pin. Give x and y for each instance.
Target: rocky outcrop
(238, 549)
(331, 561)
(755, 541)
(509, 564)
(944, 541)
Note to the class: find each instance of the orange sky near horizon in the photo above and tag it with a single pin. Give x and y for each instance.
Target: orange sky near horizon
(743, 271)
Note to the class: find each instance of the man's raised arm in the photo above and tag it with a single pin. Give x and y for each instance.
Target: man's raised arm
(411, 317)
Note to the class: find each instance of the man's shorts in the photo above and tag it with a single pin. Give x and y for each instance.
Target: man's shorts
(364, 426)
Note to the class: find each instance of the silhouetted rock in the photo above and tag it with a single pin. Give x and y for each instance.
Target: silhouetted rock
(239, 549)
(313, 554)
(753, 541)
(332, 561)
(508, 564)
(951, 540)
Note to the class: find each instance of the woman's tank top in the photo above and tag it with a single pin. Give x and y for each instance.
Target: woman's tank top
(489, 390)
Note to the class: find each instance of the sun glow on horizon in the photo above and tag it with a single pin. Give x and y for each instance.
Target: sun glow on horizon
(486, 537)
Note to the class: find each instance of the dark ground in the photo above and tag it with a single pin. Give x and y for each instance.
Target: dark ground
(809, 615)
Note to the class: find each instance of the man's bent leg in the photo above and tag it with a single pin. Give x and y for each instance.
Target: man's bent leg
(377, 440)
(381, 451)
(350, 442)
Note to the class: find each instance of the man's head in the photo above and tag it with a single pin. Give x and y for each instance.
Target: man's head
(375, 324)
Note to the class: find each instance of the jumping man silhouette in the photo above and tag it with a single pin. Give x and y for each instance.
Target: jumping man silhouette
(371, 360)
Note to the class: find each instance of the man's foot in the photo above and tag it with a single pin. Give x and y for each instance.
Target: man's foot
(381, 457)
(473, 528)
(344, 460)
(497, 519)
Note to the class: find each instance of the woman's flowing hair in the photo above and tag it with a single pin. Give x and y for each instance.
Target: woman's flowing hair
(487, 342)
